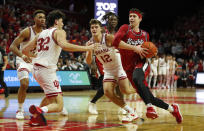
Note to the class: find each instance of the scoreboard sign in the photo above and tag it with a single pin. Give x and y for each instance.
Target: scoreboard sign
(103, 6)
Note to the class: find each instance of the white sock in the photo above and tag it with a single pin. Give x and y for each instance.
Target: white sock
(170, 108)
(149, 105)
(128, 109)
(20, 106)
(44, 109)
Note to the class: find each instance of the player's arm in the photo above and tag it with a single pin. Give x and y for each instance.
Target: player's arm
(89, 54)
(30, 46)
(60, 37)
(122, 45)
(119, 35)
(24, 35)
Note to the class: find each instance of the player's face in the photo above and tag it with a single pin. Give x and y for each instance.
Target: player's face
(134, 19)
(113, 21)
(95, 29)
(40, 19)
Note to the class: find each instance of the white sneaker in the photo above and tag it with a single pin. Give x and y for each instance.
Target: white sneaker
(130, 117)
(122, 111)
(92, 108)
(20, 115)
(64, 112)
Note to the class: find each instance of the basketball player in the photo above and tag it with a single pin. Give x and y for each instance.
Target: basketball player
(24, 68)
(112, 21)
(49, 44)
(113, 70)
(162, 71)
(153, 73)
(172, 70)
(168, 64)
(136, 68)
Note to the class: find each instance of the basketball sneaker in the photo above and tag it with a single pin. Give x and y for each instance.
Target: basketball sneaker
(130, 117)
(20, 115)
(151, 113)
(39, 119)
(177, 114)
(92, 108)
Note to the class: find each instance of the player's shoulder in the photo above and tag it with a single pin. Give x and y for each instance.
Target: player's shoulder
(26, 30)
(60, 31)
(125, 26)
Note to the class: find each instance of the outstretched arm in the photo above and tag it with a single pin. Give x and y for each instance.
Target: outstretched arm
(89, 54)
(60, 37)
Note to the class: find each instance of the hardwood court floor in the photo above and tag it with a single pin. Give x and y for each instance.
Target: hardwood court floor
(191, 103)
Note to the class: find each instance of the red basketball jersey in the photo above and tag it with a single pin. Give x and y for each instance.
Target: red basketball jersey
(130, 59)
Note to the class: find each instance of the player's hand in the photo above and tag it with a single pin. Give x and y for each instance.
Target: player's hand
(26, 59)
(90, 47)
(141, 51)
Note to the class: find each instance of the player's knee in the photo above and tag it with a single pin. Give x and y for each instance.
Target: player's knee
(138, 76)
(108, 92)
(24, 83)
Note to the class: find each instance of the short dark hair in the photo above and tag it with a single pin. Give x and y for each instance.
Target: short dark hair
(37, 12)
(135, 9)
(107, 15)
(52, 16)
(94, 21)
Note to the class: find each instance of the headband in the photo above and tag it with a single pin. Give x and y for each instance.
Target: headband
(137, 13)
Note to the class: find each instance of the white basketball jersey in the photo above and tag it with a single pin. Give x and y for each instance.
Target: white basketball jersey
(47, 49)
(162, 62)
(108, 56)
(32, 36)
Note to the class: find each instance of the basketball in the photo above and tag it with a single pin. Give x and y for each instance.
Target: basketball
(152, 49)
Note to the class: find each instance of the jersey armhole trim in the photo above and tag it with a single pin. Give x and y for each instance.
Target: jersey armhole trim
(53, 37)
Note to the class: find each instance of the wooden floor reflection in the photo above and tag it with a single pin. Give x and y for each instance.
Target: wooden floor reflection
(191, 103)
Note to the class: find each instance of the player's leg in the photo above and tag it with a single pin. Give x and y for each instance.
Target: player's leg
(92, 104)
(23, 76)
(109, 88)
(53, 102)
(3, 84)
(126, 87)
(147, 96)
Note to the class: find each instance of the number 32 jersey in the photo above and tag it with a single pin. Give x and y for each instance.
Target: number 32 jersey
(108, 56)
(48, 50)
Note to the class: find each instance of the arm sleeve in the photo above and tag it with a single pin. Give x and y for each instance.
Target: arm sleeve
(119, 35)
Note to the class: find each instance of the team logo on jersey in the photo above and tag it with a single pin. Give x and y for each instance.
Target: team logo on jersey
(56, 84)
(101, 51)
(135, 42)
